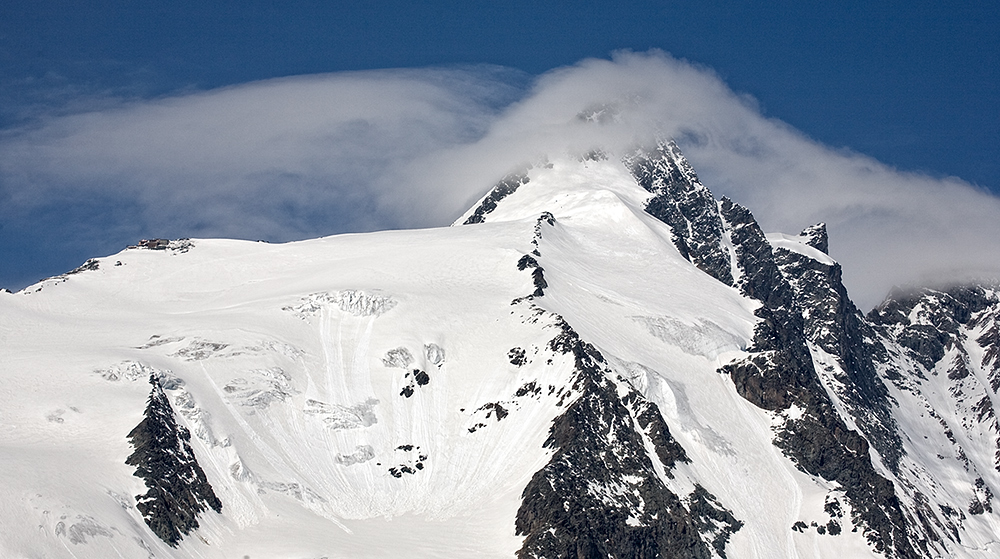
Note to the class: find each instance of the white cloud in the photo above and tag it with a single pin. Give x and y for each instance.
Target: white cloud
(281, 158)
(301, 157)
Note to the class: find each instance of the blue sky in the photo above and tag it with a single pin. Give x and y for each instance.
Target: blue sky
(914, 85)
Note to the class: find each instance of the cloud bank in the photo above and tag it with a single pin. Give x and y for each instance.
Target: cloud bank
(301, 157)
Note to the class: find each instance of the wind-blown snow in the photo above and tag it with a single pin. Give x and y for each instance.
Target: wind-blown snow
(798, 245)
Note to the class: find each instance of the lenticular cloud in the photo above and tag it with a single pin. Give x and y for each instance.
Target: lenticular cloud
(315, 155)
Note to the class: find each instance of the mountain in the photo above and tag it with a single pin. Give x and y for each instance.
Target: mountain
(599, 359)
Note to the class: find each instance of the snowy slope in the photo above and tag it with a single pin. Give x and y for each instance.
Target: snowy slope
(409, 393)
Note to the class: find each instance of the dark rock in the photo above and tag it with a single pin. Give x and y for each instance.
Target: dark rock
(711, 518)
(421, 377)
(544, 217)
(976, 507)
(517, 356)
(990, 341)
(398, 471)
(833, 508)
(528, 388)
(409, 466)
(779, 373)
(834, 324)
(476, 427)
(496, 409)
(526, 261)
(538, 279)
(163, 457)
(538, 274)
(981, 503)
(683, 203)
(507, 186)
(562, 516)
(648, 416)
(817, 238)
(88, 266)
(761, 278)
(939, 315)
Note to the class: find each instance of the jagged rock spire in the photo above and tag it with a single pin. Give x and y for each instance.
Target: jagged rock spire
(817, 238)
(682, 202)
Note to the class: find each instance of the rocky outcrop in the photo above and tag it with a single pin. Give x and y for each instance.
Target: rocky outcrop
(682, 202)
(507, 186)
(178, 489)
(940, 330)
(821, 366)
(833, 324)
(926, 321)
(817, 238)
(600, 494)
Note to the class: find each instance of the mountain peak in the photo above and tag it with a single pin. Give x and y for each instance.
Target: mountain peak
(816, 237)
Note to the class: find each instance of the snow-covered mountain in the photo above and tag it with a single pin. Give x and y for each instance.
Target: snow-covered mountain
(598, 360)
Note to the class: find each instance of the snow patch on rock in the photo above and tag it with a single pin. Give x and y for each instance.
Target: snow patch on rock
(132, 371)
(360, 303)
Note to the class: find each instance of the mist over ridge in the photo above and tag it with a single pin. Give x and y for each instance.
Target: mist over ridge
(294, 158)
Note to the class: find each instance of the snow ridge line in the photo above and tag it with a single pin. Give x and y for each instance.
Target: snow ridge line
(601, 494)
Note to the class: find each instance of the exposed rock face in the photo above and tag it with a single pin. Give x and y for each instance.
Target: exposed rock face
(600, 494)
(682, 202)
(88, 266)
(833, 324)
(817, 238)
(507, 186)
(941, 331)
(178, 490)
(821, 366)
(805, 309)
(927, 321)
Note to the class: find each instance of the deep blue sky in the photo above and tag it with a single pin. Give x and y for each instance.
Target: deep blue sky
(914, 84)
